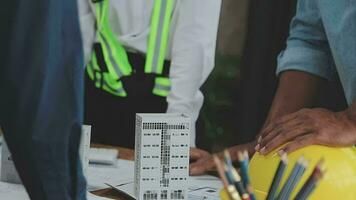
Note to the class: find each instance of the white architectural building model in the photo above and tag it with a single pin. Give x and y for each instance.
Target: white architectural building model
(162, 156)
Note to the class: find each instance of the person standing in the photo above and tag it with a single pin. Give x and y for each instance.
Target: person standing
(148, 57)
(320, 49)
(41, 87)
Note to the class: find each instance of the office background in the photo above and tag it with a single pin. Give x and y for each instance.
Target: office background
(239, 92)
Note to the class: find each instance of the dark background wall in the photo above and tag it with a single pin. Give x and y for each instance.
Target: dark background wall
(240, 90)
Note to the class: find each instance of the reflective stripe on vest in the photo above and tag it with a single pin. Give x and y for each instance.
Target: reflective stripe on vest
(114, 53)
(115, 56)
(162, 86)
(159, 34)
(104, 80)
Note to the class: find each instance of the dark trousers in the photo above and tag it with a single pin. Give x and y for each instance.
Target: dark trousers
(113, 118)
(41, 94)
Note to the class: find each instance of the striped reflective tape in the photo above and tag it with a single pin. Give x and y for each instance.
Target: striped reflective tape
(115, 55)
(94, 72)
(117, 92)
(162, 86)
(113, 86)
(158, 38)
(104, 80)
(109, 57)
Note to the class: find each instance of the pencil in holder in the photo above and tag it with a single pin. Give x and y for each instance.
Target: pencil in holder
(224, 194)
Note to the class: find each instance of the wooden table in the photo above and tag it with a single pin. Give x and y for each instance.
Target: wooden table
(124, 153)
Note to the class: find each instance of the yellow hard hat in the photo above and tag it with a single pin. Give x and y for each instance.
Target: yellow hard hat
(339, 181)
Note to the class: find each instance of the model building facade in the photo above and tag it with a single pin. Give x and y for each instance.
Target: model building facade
(162, 156)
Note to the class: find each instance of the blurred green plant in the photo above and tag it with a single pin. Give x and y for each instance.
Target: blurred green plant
(218, 112)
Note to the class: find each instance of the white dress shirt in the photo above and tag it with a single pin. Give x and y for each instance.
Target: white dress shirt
(191, 46)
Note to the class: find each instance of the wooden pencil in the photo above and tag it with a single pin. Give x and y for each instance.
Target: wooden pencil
(278, 177)
(247, 182)
(251, 192)
(244, 167)
(228, 158)
(312, 181)
(234, 195)
(239, 186)
(304, 165)
(220, 170)
(308, 190)
(284, 192)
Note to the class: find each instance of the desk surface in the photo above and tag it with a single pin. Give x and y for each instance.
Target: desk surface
(124, 153)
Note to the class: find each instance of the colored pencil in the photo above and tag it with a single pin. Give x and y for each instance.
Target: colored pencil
(248, 185)
(244, 167)
(284, 192)
(228, 159)
(220, 170)
(312, 186)
(312, 181)
(308, 191)
(239, 186)
(230, 188)
(251, 192)
(234, 195)
(228, 174)
(278, 177)
(304, 165)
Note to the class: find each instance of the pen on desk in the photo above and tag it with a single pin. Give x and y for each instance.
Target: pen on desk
(284, 193)
(312, 182)
(278, 177)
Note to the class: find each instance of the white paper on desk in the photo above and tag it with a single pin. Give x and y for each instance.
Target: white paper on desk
(200, 188)
(100, 175)
(91, 196)
(204, 188)
(128, 189)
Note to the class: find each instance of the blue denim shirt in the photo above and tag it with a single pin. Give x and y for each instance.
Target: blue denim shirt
(41, 95)
(322, 42)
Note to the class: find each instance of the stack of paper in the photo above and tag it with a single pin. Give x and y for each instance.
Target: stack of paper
(121, 177)
(200, 188)
(100, 175)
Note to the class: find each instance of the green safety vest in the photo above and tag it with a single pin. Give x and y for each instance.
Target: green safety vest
(115, 56)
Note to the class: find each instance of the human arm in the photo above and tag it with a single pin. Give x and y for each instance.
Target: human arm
(41, 111)
(296, 90)
(192, 56)
(307, 51)
(312, 127)
(87, 27)
(206, 163)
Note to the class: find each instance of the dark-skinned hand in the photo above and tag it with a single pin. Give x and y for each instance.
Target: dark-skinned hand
(197, 155)
(206, 163)
(308, 127)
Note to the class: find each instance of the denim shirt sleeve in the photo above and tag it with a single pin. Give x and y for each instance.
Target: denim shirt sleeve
(307, 46)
